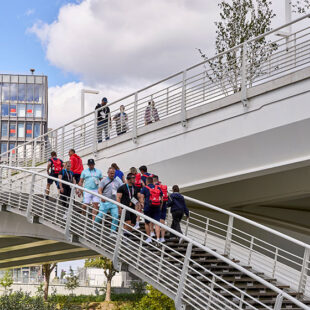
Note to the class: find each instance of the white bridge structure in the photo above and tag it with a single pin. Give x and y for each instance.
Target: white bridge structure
(232, 131)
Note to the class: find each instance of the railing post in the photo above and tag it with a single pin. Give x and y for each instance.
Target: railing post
(304, 271)
(244, 99)
(275, 262)
(95, 136)
(167, 99)
(229, 235)
(183, 101)
(178, 298)
(278, 303)
(211, 292)
(69, 214)
(186, 227)
(10, 164)
(115, 260)
(135, 119)
(73, 138)
(62, 142)
(30, 199)
(206, 232)
(251, 250)
(34, 153)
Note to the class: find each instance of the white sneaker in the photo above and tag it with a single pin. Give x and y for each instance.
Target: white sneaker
(152, 234)
(137, 226)
(113, 234)
(148, 240)
(157, 240)
(162, 240)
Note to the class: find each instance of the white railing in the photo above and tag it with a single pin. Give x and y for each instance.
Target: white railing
(275, 254)
(175, 273)
(175, 95)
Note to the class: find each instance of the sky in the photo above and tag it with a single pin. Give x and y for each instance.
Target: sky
(114, 46)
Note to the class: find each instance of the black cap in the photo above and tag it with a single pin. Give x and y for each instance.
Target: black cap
(90, 162)
(129, 176)
(104, 99)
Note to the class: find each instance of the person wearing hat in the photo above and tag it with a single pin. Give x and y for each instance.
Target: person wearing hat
(103, 120)
(91, 178)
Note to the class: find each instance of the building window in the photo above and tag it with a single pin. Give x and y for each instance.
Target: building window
(4, 129)
(21, 130)
(12, 130)
(29, 92)
(38, 93)
(13, 110)
(28, 130)
(14, 92)
(5, 92)
(38, 110)
(37, 130)
(29, 111)
(21, 110)
(22, 92)
(4, 147)
(11, 145)
(4, 109)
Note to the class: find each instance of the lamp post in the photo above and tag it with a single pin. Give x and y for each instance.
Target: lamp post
(83, 92)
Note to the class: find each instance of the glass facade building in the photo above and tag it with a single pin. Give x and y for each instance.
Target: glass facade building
(24, 109)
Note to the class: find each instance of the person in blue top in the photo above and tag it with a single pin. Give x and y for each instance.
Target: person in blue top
(118, 173)
(91, 178)
(144, 174)
(152, 203)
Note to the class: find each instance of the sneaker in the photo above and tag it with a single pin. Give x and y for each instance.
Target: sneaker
(137, 226)
(113, 234)
(152, 234)
(162, 240)
(148, 240)
(64, 216)
(158, 240)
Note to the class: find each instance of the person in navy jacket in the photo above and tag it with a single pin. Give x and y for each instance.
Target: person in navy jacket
(178, 207)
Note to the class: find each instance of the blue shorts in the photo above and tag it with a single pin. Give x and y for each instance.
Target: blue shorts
(163, 212)
(153, 212)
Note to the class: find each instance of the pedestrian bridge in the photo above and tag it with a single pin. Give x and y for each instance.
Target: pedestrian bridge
(224, 261)
(238, 129)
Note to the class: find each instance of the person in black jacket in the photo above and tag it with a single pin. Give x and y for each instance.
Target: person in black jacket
(103, 120)
(178, 207)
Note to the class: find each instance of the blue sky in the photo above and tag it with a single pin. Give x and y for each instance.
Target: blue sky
(21, 50)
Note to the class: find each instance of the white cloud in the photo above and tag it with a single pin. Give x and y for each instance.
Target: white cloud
(30, 12)
(119, 41)
(64, 101)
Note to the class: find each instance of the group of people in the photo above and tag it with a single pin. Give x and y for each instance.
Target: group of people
(140, 191)
(104, 119)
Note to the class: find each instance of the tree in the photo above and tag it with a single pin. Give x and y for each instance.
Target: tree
(240, 21)
(109, 271)
(6, 281)
(72, 281)
(301, 6)
(47, 270)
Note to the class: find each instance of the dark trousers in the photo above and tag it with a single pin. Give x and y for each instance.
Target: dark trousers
(65, 196)
(176, 219)
(103, 126)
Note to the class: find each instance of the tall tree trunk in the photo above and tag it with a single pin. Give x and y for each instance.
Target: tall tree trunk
(108, 290)
(46, 284)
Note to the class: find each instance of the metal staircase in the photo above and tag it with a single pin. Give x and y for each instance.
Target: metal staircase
(195, 275)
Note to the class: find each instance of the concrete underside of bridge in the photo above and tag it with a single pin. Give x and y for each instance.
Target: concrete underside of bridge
(252, 160)
(25, 244)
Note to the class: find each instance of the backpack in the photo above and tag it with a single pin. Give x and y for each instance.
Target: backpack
(57, 166)
(154, 195)
(164, 189)
(138, 180)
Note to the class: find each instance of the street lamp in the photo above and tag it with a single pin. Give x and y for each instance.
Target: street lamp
(83, 92)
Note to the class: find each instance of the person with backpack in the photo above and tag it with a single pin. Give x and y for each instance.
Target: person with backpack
(178, 207)
(118, 172)
(92, 177)
(163, 211)
(54, 166)
(143, 175)
(76, 165)
(65, 190)
(108, 187)
(151, 199)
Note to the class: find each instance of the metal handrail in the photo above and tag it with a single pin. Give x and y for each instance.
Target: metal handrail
(185, 80)
(191, 242)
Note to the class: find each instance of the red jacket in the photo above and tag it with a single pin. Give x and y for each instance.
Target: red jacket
(76, 164)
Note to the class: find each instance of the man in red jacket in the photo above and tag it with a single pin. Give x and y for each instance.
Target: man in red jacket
(76, 165)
